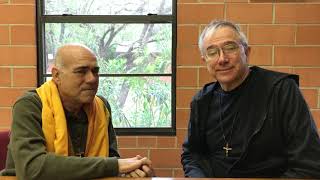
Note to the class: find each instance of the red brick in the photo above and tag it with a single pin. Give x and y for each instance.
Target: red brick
(198, 13)
(129, 153)
(184, 97)
(311, 96)
(24, 77)
(23, 35)
(182, 118)
(159, 172)
(178, 173)
(6, 117)
(309, 77)
(249, 13)
(271, 34)
(5, 74)
(181, 136)
(188, 55)
(18, 56)
(306, 35)
(5, 128)
(297, 13)
(4, 35)
(187, 35)
(4, 1)
(127, 142)
(165, 158)
(9, 95)
(17, 14)
(244, 28)
(22, 2)
(187, 77)
(260, 55)
(166, 142)
(149, 142)
(204, 77)
(297, 56)
(316, 117)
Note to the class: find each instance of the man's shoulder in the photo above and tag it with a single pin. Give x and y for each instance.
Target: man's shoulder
(29, 96)
(274, 77)
(205, 91)
(105, 101)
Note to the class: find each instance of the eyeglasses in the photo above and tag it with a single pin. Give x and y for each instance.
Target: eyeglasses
(213, 52)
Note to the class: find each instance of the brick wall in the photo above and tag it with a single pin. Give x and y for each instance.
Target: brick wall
(284, 35)
(17, 54)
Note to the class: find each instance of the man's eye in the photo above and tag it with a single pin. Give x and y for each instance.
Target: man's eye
(212, 52)
(230, 47)
(81, 72)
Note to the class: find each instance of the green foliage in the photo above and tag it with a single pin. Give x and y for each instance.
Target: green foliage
(147, 105)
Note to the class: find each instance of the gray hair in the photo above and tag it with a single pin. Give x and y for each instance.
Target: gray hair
(213, 26)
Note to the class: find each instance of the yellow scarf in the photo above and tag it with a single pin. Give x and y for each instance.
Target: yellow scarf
(54, 125)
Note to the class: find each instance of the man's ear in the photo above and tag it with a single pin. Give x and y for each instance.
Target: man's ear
(248, 51)
(203, 59)
(55, 74)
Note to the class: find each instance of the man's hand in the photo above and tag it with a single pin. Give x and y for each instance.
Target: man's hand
(137, 166)
(145, 171)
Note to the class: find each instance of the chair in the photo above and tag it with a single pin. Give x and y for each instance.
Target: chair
(4, 141)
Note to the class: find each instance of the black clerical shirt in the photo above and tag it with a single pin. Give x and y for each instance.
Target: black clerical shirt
(223, 127)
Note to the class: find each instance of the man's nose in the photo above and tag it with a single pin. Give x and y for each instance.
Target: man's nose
(91, 76)
(222, 57)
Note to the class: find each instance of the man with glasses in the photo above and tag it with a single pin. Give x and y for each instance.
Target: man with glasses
(251, 122)
(62, 130)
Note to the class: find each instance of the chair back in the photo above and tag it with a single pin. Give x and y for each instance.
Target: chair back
(4, 141)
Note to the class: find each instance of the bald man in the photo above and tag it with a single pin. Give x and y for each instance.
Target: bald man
(62, 130)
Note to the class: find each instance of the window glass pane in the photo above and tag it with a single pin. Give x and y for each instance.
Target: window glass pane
(108, 7)
(138, 101)
(48, 78)
(120, 48)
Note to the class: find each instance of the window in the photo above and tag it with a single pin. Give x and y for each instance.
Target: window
(135, 44)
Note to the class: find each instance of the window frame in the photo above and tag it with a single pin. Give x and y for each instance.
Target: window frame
(42, 19)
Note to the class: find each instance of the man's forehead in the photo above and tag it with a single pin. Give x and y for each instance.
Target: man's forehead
(82, 66)
(221, 34)
(77, 55)
(78, 51)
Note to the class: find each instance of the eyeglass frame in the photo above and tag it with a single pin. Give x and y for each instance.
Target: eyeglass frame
(208, 59)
